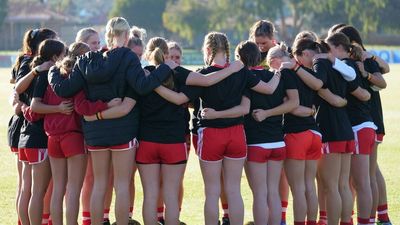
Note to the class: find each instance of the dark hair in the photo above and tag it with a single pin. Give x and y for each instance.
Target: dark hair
(324, 47)
(335, 27)
(47, 50)
(31, 41)
(304, 44)
(249, 53)
(340, 39)
(353, 34)
(262, 28)
(75, 49)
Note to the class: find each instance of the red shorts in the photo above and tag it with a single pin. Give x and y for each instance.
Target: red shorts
(195, 139)
(66, 145)
(379, 138)
(304, 145)
(32, 155)
(159, 153)
(364, 140)
(261, 153)
(215, 144)
(131, 144)
(14, 150)
(339, 147)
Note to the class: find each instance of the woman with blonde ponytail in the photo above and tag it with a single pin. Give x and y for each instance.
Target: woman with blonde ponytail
(116, 73)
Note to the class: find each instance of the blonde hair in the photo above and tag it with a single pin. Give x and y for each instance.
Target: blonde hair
(156, 48)
(116, 27)
(84, 34)
(278, 51)
(75, 49)
(217, 42)
(136, 36)
(174, 45)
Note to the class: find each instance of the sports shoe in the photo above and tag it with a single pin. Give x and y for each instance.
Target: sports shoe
(161, 222)
(250, 223)
(225, 221)
(106, 222)
(384, 223)
(284, 222)
(182, 223)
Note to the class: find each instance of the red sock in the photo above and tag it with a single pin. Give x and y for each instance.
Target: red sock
(383, 215)
(86, 218)
(130, 212)
(311, 222)
(362, 221)
(299, 223)
(160, 213)
(322, 217)
(45, 219)
(225, 208)
(284, 205)
(106, 214)
(344, 223)
(50, 222)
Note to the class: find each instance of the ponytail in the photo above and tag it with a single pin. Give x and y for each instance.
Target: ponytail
(157, 56)
(356, 52)
(38, 60)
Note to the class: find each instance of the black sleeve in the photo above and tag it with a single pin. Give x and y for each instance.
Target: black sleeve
(141, 83)
(321, 72)
(40, 85)
(247, 93)
(251, 79)
(353, 85)
(66, 87)
(182, 74)
(288, 79)
(24, 69)
(130, 93)
(371, 66)
(192, 92)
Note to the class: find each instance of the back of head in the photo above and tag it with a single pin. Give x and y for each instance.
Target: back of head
(116, 27)
(47, 50)
(333, 29)
(340, 39)
(156, 49)
(353, 35)
(249, 53)
(215, 42)
(136, 37)
(263, 28)
(75, 49)
(32, 39)
(84, 34)
(278, 51)
(304, 44)
(307, 35)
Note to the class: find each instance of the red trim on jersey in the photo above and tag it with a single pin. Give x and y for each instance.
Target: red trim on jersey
(220, 66)
(257, 68)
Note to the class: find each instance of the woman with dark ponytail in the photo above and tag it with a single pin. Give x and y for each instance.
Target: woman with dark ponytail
(373, 67)
(358, 110)
(32, 139)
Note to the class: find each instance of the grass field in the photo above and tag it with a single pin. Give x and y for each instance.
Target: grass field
(192, 212)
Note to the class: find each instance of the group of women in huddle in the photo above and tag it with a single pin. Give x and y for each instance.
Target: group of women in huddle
(287, 116)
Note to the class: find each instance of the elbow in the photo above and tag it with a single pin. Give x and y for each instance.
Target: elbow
(246, 110)
(18, 89)
(366, 96)
(34, 107)
(317, 86)
(386, 69)
(126, 109)
(294, 103)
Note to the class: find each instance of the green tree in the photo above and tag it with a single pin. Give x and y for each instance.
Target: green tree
(143, 13)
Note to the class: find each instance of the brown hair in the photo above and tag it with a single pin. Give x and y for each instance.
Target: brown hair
(156, 48)
(340, 39)
(47, 50)
(305, 44)
(31, 41)
(335, 27)
(306, 34)
(75, 49)
(217, 42)
(249, 53)
(263, 28)
(353, 35)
